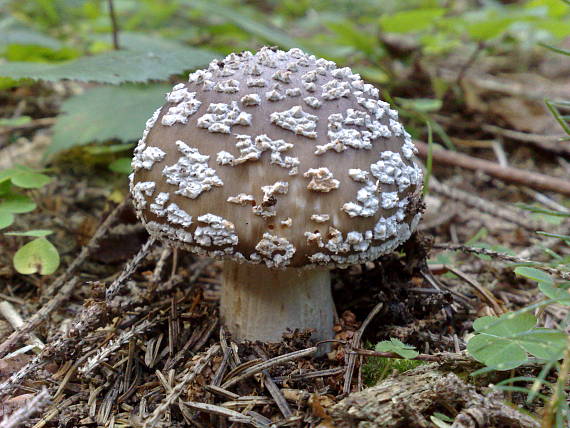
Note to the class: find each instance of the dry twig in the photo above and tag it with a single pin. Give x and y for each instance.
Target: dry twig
(36, 319)
(508, 174)
(24, 413)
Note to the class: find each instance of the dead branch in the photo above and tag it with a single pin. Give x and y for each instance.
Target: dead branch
(23, 414)
(409, 399)
(513, 215)
(351, 362)
(36, 319)
(502, 256)
(508, 174)
(179, 388)
(553, 143)
(263, 365)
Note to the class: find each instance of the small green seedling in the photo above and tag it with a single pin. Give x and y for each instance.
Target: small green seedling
(38, 255)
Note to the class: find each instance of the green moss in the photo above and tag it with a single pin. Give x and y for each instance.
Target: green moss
(377, 369)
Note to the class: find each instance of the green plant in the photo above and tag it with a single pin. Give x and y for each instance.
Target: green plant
(378, 368)
(38, 255)
(506, 342)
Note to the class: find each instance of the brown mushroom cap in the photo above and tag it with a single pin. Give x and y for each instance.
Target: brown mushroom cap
(277, 158)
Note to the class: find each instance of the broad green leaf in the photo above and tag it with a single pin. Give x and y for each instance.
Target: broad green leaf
(561, 295)
(489, 28)
(30, 179)
(411, 21)
(113, 67)
(121, 165)
(37, 256)
(16, 204)
(252, 26)
(5, 187)
(372, 74)
(506, 325)
(352, 35)
(37, 233)
(398, 347)
(544, 343)
(105, 113)
(534, 274)
(496, 352)
(6, 219)
(26, 36)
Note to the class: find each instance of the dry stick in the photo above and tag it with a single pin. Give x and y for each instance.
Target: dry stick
(355, 343)
(24, 413)
(274, 391)
(36, 319)
(546, 142)
(482, 291)
(114, 25)
(484, 251)
(515, 216)
(310, 375)
(180, 387)
(103, 354)
(462, 359)
(86, 250)
(128, 270)
(276, 394)
(263, 365)
(222, 411)
(508, 174)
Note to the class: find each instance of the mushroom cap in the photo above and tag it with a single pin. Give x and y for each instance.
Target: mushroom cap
(277, 158)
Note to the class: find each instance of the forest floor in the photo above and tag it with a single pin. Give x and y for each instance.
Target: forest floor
(153, 353)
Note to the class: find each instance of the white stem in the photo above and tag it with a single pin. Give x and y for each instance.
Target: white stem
(261, 304)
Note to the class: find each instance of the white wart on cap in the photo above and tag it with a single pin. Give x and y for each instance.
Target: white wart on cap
(277, 158)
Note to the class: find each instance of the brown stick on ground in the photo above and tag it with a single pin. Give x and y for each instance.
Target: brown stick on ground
(511, 175)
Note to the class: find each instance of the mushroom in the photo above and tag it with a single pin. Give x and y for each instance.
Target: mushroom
(283, 166)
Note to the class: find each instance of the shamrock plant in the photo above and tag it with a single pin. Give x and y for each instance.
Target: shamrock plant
(39, 255)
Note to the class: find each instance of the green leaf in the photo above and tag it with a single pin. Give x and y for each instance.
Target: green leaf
(544, 343)
(37, 233)
(506, 325)
(542, 210)
(534, 274)
(25, 177)
(411, 21)
(398, 347)
(113, 67)
(105, 113)
(26, 36)
(16, 204)
(489, 28)
(15, 121)
(30, 180)
(107, 149)
(496, 352)
(561, 295)
(37, 256)
(121, 165)
(423, 105)
(6, 219)
(252, 26)
(554, 235)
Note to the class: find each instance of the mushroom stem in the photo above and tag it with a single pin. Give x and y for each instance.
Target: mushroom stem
(261, 304)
